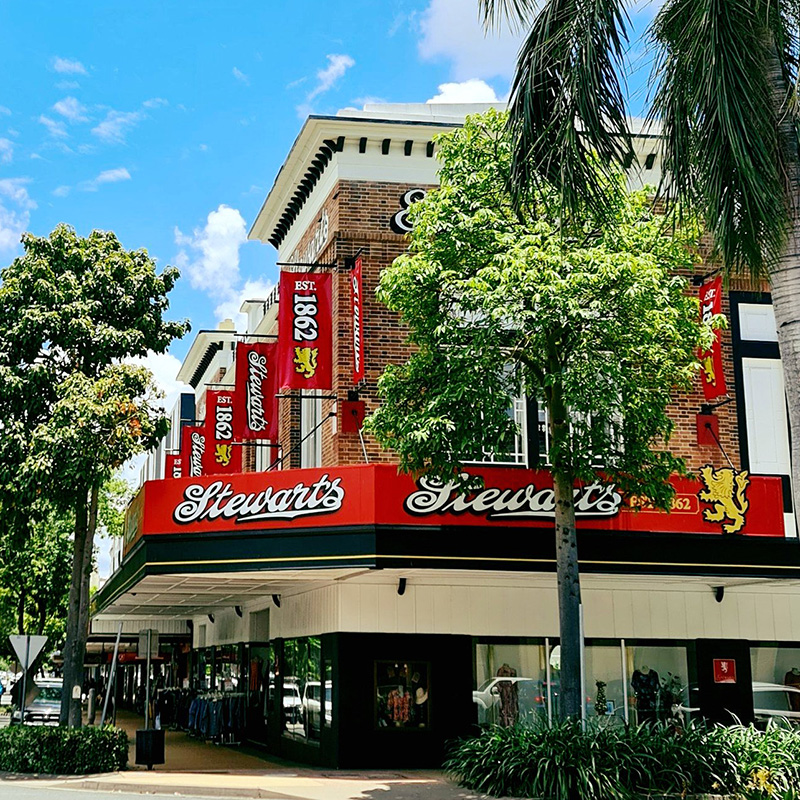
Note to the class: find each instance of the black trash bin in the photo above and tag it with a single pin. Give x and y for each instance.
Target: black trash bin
(150, 747)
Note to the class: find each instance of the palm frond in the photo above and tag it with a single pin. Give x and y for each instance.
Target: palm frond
(567, 111)
(716, 100)
(516, 13)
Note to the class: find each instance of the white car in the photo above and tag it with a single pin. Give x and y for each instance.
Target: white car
(771, 702)
(312, 707)
(45, 708)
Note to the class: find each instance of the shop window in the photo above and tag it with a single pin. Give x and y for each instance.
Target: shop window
(604, 688)
(228, 669)
(402, 695)
(512, 683)
(656, 683)
(203, 669)
(776, 679)
(327, 706)
(260, 688)
(310, 432)
(303, 700)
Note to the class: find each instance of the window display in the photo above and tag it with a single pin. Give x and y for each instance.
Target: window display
(402, 694)
(511, 683)
(657, 683)
(776, 679)
(604, 693)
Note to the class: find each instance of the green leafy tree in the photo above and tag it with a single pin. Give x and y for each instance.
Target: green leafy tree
(72, 309)
(501, 299)
(725, 77)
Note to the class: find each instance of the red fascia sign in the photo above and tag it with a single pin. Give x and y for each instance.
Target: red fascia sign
(712, 374)
(376, 494)
(305, 330)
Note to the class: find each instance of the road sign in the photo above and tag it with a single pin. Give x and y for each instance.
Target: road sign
(27, 649)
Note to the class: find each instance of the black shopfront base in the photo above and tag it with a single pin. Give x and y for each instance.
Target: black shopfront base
(721, 699)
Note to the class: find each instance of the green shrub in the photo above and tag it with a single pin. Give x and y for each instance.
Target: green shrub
(62, 751)
(565, 762)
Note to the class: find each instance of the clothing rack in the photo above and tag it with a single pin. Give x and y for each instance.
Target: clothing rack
(219, 717)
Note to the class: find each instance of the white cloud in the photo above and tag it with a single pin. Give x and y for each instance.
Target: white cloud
(164, 367)
(68, 66)
(61, 191)
(66, 85)
(15, 207)
(4, 111)
(240, 76)
(6, 151)
(338, 64)
(471, 91)
(71, 108)
(155, 102)
(210, 259)
(106, 176)
(252, 290)
(57, 129)
(215, 267)
(115, 126)
(451, 30)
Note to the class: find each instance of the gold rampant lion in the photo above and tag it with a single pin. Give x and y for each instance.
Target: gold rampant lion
(726, 490)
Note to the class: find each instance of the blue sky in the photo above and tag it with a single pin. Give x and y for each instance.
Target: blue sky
(167, 122)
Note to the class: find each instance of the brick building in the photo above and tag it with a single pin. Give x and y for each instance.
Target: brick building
(391, 620)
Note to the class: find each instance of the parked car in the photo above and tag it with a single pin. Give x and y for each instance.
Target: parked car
(45, 708)
(292, 702)
(312, 707)
(772, 702)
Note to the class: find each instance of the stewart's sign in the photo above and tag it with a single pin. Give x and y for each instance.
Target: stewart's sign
(341, 497)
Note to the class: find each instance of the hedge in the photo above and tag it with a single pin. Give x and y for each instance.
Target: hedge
(565, 762)
(62, 751)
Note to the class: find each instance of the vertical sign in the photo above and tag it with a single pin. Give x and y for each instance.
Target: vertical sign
(174, 466)
(711, 372)
(724, 670)
(193, 445)
(220, 455)
(255, 412)
(357, 314)
(305, 336)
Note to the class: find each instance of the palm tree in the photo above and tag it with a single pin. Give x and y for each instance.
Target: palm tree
(725, 90)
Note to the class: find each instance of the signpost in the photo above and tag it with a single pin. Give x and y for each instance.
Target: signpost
(27, 649)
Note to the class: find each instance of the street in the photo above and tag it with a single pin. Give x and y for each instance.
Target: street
(26, 791)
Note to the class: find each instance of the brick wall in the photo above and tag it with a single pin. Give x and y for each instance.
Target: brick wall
(359, 216)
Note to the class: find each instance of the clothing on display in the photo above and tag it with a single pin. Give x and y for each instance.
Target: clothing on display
(509, 696)
(646, 689)
(218, 716)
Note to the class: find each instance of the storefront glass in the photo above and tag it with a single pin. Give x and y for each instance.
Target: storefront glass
(511, 683)
(656, 682)
(260, 685)
(776, 680)
(303, 699)
(604, 692)
(402, 694)
(203, 669)
(229, 670)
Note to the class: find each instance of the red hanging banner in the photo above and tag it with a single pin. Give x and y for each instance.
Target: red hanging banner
(220, 456)
(357, 316)
(305, 336)
(174, 466)
(711, 372)
(193, 445)
(255, 412)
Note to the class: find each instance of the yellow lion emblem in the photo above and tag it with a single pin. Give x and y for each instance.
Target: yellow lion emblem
(726, 490)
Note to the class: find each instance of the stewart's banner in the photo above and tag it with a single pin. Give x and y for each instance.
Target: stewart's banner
(193, 445)
(357, 319)
(221, 456)
(712, 374)
(173, 467)
(722, 501)
(255, 413)
(305, 332)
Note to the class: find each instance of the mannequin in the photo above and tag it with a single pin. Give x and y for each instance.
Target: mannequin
(646, 688)
(792, 678)
(509, 699)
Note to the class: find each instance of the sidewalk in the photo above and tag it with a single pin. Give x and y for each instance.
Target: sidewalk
(195, 768)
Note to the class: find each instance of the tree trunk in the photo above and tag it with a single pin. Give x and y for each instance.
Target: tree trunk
(78, 611)
(569, 585)
(785, 274)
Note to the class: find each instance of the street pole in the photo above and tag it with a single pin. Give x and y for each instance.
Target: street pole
(147, 684)
(110, 686)
(24, 680)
